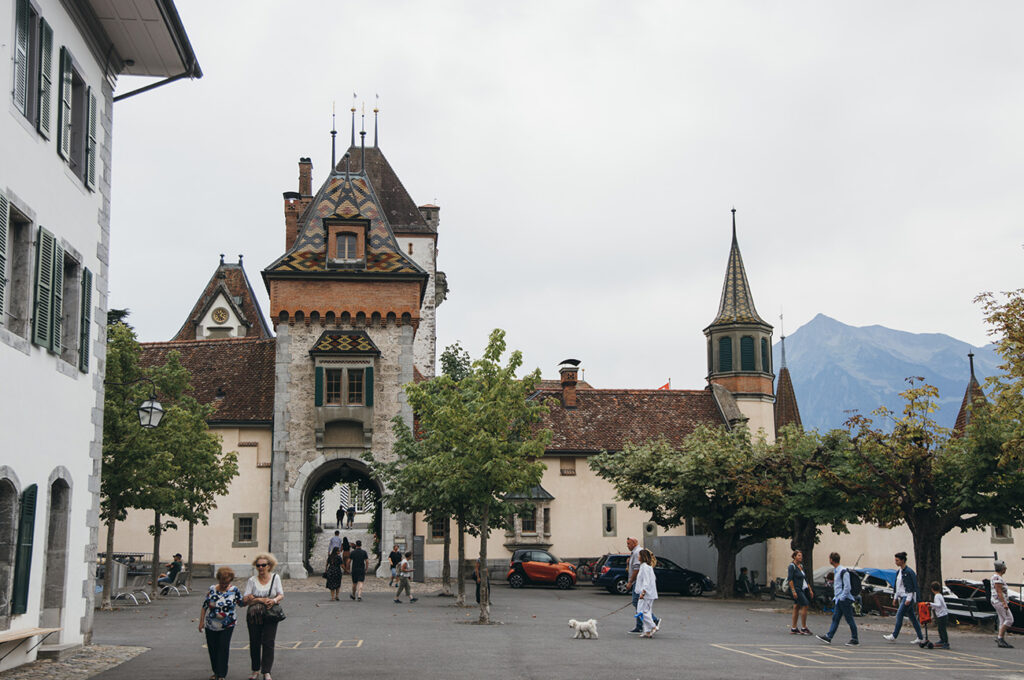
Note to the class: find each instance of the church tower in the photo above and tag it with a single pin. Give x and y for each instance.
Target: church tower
(739, 347)
(352, 304)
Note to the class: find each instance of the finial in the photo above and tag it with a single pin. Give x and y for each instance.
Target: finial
(970, 357)
(782, 337)
(353, 142)
(362, 140)
(222, 258)
(734, 224)
(376, 109)
(348, 170)
(334, 134)
(239, 259)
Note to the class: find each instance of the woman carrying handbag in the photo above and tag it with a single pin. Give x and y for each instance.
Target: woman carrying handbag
(263, 594)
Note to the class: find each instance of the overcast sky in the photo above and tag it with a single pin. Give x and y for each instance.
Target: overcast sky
(586, 155)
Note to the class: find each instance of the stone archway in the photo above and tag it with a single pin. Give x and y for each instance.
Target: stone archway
(325, 477)
(56, 559)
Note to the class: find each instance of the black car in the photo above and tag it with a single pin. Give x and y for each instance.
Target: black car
(610, 572)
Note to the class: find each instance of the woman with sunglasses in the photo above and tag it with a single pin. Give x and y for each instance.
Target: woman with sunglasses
(262, 591)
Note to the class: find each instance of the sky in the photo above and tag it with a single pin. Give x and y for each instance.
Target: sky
(586, 155)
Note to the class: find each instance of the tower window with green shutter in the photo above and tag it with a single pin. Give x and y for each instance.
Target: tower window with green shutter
(725, 354)
(747, 362)
(766, 356)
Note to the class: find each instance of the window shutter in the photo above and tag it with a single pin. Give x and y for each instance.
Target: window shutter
(64, 109)
(85, 321)
(368, 387)
(44, 292)
(57, 306)
(318, 386)
(23, 556)
(21, 31)
(45, 78)
(747, 353)
(725, 354)
(90, 142)
(4, 216)
(766, 365)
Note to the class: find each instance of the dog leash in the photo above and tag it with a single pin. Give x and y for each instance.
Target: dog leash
(628, 604)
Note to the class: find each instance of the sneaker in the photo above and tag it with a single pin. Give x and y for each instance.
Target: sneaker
(852, 643)
(351, 596)
(794, 631)
(398, 601)
(360, 598)
(1003, 643)
(917, 642)
(806, 631)
(826, 640)
(890, 638)
(413, 599)
(636, 631)
(941, 645)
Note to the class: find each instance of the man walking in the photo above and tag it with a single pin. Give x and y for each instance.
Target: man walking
(351, 516)
(358, 558)
(335, 542)
(906, 596)
(394, 558)
(843, 607)
(339, 516)
(633, 568)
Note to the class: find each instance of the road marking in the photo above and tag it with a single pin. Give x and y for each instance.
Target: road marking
(801, 656)
(290, 645)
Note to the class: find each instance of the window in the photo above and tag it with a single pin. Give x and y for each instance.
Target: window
(355, 386)
(71, 293)
(245, 530)
(76, 121)
(725, 354)
(8, 546)
(15, 269)
(437, 528)
(608, 520)
(23, 551)
(1001, 534)
(567, 466)
(529, 521)
(333, 393)
(547, 521)
(766, 356)
(747, 353)
(33, 66)
(347, 246)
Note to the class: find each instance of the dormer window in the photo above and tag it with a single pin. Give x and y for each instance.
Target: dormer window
(346, 242)
(347, 246)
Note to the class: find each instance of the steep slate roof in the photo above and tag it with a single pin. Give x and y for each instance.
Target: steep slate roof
(607, 419)
(786, 410)
(232, 281)
(397, 204)
(974, 397)
(737, 303)
(234, 375)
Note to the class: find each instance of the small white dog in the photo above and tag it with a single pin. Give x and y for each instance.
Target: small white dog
(584, 629)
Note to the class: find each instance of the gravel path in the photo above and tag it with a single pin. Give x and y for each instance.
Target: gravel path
(85, 663)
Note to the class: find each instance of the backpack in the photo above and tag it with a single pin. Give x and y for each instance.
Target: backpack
(854, 582)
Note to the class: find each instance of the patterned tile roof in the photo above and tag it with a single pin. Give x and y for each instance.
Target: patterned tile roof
(737, 303)
(347, 195)
(232, 281)
(607, 419)
(786, 410)
(344, 342)
(234, 375)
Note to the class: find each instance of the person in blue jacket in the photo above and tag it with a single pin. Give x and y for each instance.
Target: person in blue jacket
(905, 596)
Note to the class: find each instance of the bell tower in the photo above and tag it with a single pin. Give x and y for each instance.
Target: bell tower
(740, 347)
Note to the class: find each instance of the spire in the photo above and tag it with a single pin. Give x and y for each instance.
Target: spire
(974, 398)
(782, 333)
(737, 303)
(376, 109)
(334, 134)
(353, 142)
(786, 410)
(362, 141)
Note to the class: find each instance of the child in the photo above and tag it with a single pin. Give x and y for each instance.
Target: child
(646, 585)
(404, 572)
(940, 614)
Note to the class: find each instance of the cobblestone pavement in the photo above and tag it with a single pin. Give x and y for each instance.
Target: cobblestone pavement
(85, 663)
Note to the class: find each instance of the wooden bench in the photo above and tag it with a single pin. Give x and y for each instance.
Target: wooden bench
(20, 636)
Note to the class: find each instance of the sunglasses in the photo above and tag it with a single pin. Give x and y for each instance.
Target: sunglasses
(262, 565)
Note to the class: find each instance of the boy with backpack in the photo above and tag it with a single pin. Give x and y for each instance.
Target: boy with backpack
(846, 581)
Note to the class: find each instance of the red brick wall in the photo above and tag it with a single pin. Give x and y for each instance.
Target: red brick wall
(323, 296)
(748, 384)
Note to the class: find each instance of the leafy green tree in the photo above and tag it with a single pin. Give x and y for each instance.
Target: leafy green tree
(718, 476)
(1005, 316)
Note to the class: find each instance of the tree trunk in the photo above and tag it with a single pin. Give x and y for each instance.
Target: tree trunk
(928, 556)
(191, 535)
(805, 532)
(485, 586)
(460, 599)
(726, 581)
(108, 576)
(156, 554)
(446, 564)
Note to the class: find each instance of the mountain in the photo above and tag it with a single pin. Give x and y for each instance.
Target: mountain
(837, 369)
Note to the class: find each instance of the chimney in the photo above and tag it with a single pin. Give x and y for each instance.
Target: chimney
(431, 215)
(293, 206)
(305, 177)
(567, 373)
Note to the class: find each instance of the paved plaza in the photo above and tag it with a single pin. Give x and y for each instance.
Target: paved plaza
(376, 638)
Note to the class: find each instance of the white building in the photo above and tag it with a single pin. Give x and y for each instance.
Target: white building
(63, 61)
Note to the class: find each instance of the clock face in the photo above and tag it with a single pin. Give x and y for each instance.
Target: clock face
(220, 315)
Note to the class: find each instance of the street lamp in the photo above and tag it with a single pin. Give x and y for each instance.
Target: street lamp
(150, 411)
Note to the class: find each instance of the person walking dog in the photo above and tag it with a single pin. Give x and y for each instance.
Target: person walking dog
(634, 570)
(843, 602)
(906, 597)
(647, 588)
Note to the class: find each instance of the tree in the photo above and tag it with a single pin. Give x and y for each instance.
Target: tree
(718, 476)
(1005, 316)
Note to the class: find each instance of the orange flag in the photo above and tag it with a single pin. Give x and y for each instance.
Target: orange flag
(666, 386)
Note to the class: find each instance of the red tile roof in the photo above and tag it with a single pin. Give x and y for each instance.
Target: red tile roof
(230, 277)
(607, 419)
(234, 375)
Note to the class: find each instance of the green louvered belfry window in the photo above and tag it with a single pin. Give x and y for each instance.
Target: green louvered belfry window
(318, 386)
(725, 354)
(368, 387)
(85, 321)
(747, 353)
(23, 554)
(766, 357)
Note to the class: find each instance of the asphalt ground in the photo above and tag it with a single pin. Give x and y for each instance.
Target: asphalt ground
(700, 638)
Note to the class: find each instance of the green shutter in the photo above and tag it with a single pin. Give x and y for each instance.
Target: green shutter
(4, 226)
(369, 386)
(90, 142)
(64, 108)
(43, 114)
(23, 556)
(21, 33)
(724, 354)
(42, 314)
(766, 365)
(747, 353)
(57, 306)
(85, 321)
(318, 386)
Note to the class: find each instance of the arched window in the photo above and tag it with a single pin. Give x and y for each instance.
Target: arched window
(747, 353)
(725, 354)
(766, 357)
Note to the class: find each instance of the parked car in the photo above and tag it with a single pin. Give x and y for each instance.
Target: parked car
(610, 573)
(539, 566)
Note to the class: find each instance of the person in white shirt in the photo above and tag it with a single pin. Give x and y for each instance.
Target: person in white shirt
(404, 573)
(1001, 603)
(940, 614)
(647, 587)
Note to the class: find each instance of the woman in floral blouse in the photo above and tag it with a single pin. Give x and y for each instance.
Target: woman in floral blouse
(218, 619)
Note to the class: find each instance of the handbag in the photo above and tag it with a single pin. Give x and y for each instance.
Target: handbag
(258, 612)
(275, 612)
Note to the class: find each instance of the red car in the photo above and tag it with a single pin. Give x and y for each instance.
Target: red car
(539, 566)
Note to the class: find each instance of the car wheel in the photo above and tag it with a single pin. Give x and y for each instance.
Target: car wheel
(622, 586)
(694, 589)
(516, 580)
(564, 581)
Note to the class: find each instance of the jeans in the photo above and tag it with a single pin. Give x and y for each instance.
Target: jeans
(843, 610)
(639, 625)
(908, 609)
(940, 623)
(218, 643)
(261, 645)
